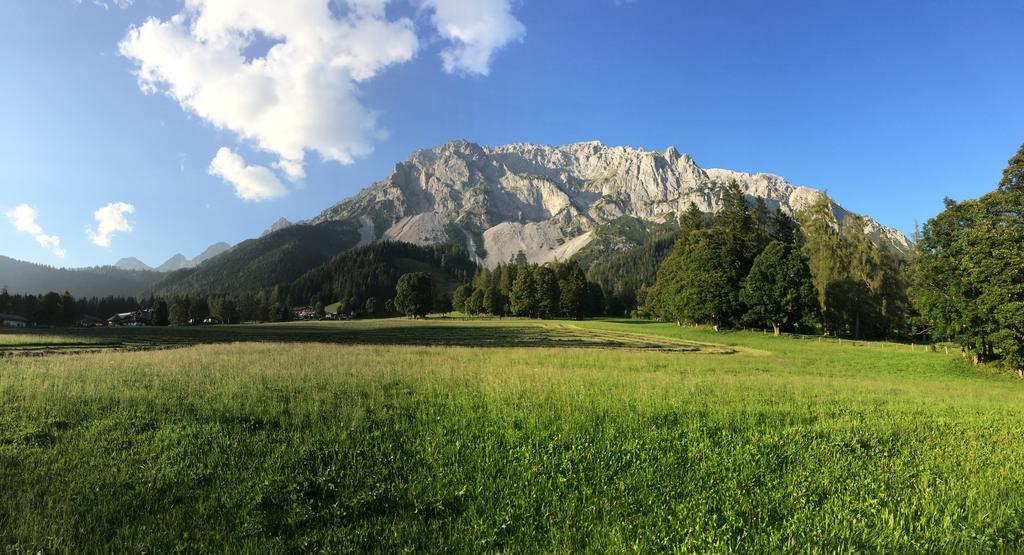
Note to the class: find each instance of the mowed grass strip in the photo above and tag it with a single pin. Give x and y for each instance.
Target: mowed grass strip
(259, 447)
(511, 332)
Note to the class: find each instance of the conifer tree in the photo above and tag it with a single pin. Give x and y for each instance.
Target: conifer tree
(523, 297)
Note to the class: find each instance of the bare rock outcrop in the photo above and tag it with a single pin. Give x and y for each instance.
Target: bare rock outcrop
(547, 202)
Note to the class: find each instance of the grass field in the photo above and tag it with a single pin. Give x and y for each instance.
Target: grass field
(594, 436)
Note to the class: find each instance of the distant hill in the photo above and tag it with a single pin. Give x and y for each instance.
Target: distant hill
(274, 259)
(102, 281)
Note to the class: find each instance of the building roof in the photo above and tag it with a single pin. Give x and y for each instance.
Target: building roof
(13, 317)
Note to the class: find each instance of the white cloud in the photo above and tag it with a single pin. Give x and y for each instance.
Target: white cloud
(24, 219)
(478, 29)
(110, 219)
(107, 4)
(52, 244)
(302, 93)
(255, 183)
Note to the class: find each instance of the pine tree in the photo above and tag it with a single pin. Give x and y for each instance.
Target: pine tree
(709, 280)
(574, 293)
(523, 297)
(547, 291)
(494, 302)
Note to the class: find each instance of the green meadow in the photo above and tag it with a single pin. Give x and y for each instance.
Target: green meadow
(510, 435)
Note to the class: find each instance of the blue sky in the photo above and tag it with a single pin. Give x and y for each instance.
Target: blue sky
(890, 106)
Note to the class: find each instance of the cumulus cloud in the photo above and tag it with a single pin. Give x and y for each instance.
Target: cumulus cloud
(300, 95)
(23, 218)
(110, 220)
(286, 75)
(253, 183)
(478, 29)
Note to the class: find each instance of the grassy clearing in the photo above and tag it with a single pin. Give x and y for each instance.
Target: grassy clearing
(784, 445)
(23, 339)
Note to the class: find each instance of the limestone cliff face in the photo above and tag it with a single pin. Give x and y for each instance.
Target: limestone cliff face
(547, 201)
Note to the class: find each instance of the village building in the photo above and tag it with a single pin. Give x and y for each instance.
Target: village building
(136, 318)
(13, 321)
(305, 313)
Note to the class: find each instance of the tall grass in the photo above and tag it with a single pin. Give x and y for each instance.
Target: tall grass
(786, 445)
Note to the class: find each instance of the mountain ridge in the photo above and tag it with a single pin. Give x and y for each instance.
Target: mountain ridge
(176, 262)
(546, 201)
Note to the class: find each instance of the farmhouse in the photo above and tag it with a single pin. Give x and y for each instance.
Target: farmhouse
(13, 321)
(136, 318)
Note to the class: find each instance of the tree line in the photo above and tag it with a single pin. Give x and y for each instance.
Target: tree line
(517, 288)
(64, 309)
(749, 266)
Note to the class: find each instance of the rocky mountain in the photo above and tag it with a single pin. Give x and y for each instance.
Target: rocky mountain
(176, 262)
(210, 252)
(549, 202)
(132, 263)
(180, 262)
(280, 224)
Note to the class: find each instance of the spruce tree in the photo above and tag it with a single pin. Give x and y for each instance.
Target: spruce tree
(523, 297)
(547, 292)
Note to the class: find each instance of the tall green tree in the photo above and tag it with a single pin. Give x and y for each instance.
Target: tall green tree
(161, 313)
(178, 313)
(494, 301)
(523, 297)
(414, 294)
(823, 248)
(778, 290)
(969, 277)
(547, 291)
(574, 292)
(475, 303)
(462, 293)
(709, 276)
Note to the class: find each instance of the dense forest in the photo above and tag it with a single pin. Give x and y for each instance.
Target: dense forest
(63, 309)
(553, 290)
(100, 281)
(746, 266)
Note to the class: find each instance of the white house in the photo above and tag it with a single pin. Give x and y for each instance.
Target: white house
(13, 321)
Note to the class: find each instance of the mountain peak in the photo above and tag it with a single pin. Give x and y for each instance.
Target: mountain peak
(547, 200)
(176, 262)
(281, 223)
(131, 263)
